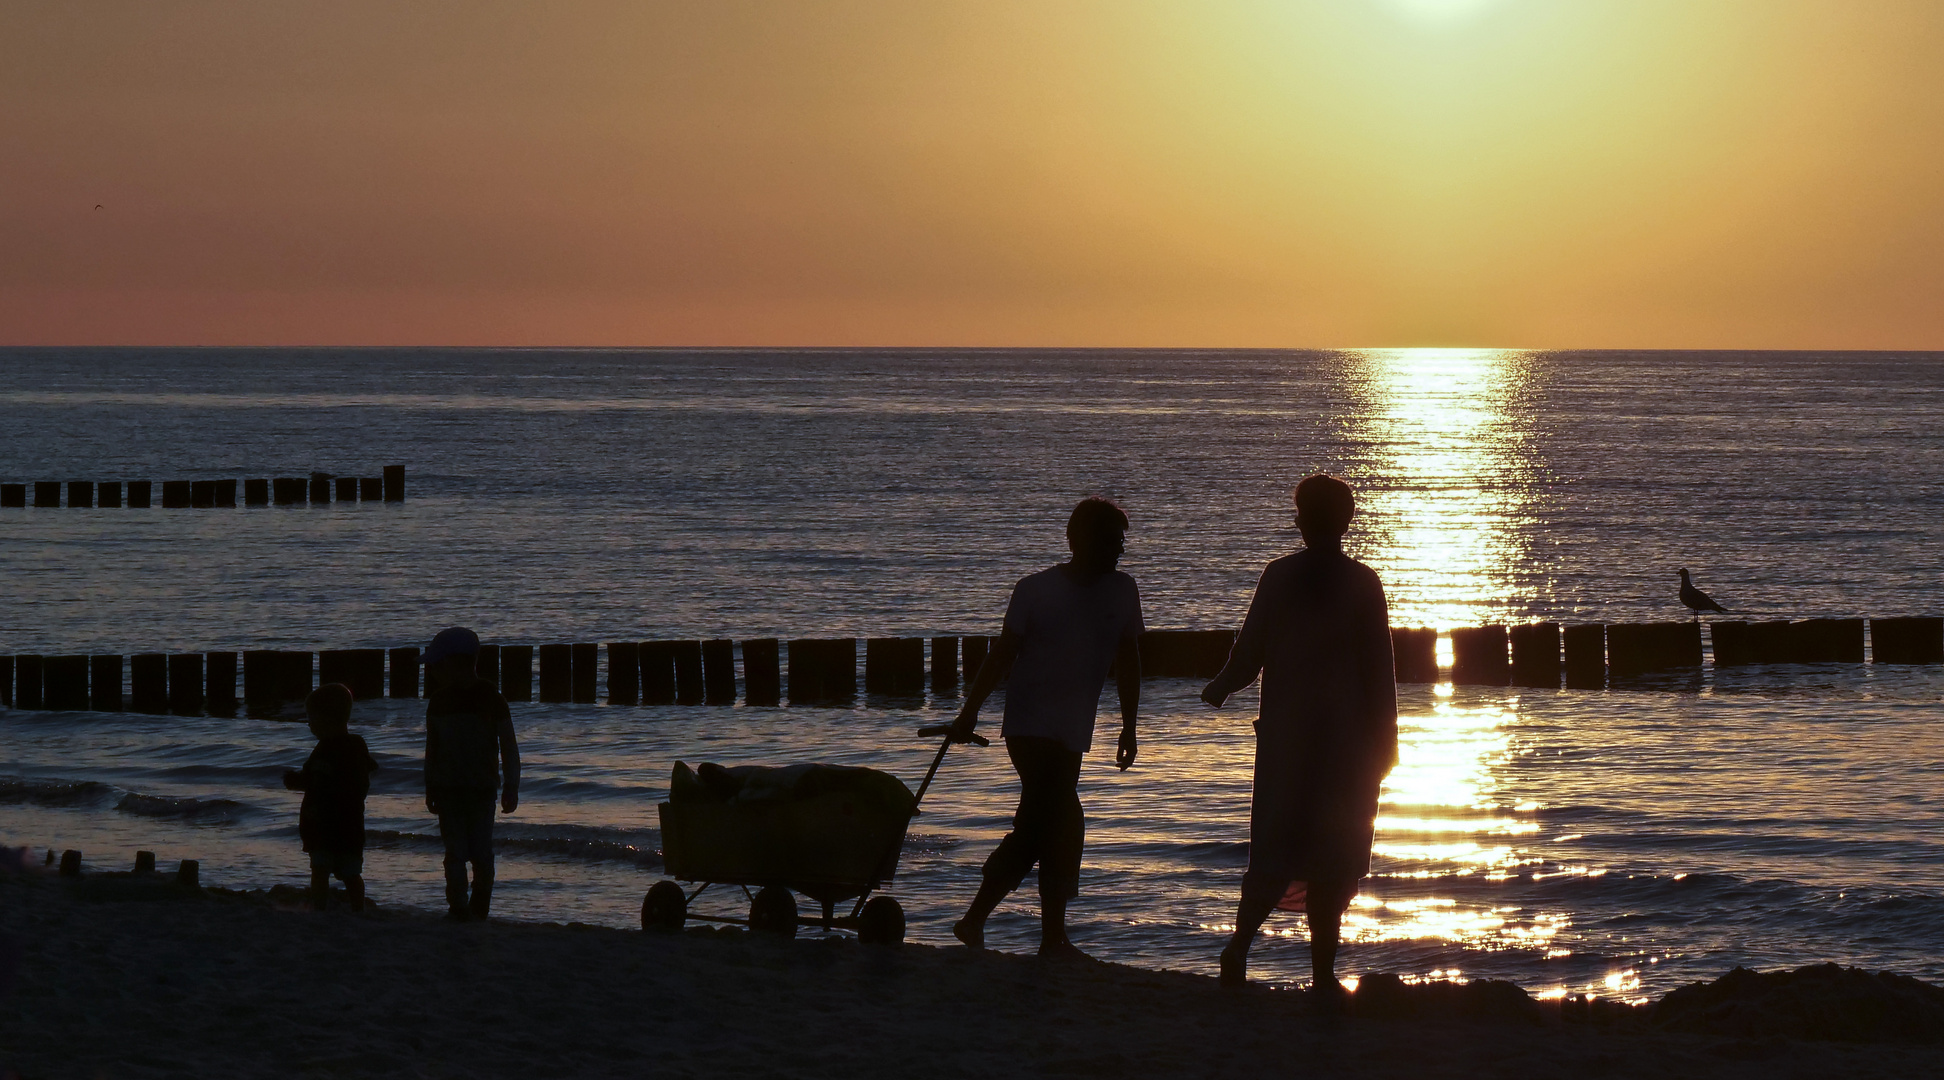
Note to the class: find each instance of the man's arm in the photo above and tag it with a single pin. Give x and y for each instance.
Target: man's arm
(509, 762)
(1127, 681)
(998, 662)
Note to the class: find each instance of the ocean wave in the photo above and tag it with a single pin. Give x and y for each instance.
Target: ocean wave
(92, 794)
(579, 842)
(165, 806)
(20, 790)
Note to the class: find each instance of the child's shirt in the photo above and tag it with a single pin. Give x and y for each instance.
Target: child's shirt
(335, 780)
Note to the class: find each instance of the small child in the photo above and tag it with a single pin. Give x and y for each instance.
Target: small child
(334, 780)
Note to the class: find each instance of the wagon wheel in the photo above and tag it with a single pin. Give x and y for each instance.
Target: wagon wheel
(882, 922)
(664, 908)
(774, 911)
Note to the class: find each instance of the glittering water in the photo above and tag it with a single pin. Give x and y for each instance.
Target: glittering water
(1616, 841)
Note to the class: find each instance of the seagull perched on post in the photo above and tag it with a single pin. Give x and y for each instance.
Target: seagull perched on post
(1696, 600)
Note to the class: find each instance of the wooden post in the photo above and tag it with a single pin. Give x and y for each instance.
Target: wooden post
(219, 683)
(394, 483)
(108, 494)
(1184, 654)
(894, 666)
(840, 669)
(189, 874)
(13, 495)
(7, 681)
(657, 660)
(70, 863)
(1638, 648)
(1733, 645)
(367, 674)
(944, 665)
(320, 489)
(1535, 655)
(145, 862)
(689, 688)
(556, 673)
(405, 671)
(148, 683)
(371, 489)
(719, 672)
(65, 682)
(47, 493)
(256, 493)
(973, 650)
(1478, 657)
(624, 673)
(293, 676)
(202, 494)
(140, 494)
(347, 489)
(288, 490)
(1828, 641)
(105, 683)
(186, 684)
(1907, 641)
(28, 684)
(1769, 642)
(486, 665)
(261, 668)
(81, 493)
(1585, 649)
(176, 494)
(1414, 654)
(586, 672)
(805, 664)
(226, 493)
(762, 675)
(334, 666)
(516, 672)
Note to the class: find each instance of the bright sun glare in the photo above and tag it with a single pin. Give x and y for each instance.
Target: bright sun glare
(1440, 11)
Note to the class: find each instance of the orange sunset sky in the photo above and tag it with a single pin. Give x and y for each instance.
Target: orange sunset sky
(1290, 173)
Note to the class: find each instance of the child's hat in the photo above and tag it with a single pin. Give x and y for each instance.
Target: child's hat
(452, 641)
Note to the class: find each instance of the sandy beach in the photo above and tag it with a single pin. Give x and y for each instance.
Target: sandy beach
(120, 980)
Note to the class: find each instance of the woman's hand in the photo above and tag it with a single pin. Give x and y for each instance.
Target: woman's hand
(1215, 693)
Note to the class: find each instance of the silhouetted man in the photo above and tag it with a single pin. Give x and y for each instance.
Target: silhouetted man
(471, 757)
(1065, 627)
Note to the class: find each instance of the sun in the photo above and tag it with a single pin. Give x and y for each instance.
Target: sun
(1439, 11)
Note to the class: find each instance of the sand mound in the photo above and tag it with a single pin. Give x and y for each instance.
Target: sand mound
(1827, 1002)
(1387, 997)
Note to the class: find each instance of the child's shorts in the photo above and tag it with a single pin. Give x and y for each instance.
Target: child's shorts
(345, 864)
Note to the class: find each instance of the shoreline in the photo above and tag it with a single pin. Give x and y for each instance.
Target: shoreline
(124, 977)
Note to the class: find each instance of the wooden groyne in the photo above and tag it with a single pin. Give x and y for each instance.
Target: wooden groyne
(317, 489)
(824, 671)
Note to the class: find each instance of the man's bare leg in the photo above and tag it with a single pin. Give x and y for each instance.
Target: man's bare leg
(971, 929)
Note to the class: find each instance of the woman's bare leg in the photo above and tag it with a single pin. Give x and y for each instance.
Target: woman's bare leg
(1326, 905)
(1258, 900)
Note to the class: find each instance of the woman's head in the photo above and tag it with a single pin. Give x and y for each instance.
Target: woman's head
(1324, 507)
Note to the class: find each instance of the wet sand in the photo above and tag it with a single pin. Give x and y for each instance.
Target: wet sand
(239, 986)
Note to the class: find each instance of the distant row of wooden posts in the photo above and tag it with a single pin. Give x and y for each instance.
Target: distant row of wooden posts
(823, 671)
(316, 489)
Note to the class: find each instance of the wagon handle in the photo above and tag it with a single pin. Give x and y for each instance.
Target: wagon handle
(946, 744)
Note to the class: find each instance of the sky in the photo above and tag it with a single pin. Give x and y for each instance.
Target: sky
(1203, 173)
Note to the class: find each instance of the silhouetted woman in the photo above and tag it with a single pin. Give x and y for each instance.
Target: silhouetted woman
(1318, 632)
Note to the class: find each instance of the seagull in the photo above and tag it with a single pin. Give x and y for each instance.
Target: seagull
(1696, 600)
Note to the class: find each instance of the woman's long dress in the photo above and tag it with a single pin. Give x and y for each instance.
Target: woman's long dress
(1318, 632)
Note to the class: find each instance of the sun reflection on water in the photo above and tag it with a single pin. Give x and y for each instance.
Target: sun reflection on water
(1441, 514)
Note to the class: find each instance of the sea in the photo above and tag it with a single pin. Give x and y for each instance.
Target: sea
(1618, 842)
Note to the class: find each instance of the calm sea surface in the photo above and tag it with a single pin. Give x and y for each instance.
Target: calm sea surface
(1620, 841)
